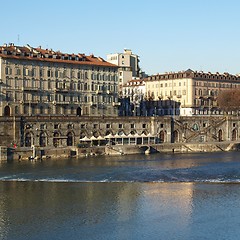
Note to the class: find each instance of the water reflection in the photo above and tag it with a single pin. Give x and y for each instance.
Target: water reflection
(3, 217)
(35, 210)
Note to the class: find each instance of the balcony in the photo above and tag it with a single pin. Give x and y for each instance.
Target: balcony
(31, 89)
(59, 89)
(116, 104)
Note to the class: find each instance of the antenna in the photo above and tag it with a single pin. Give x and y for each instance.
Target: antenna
(18, 39)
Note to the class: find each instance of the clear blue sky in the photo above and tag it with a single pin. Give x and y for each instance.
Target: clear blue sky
(168, 35)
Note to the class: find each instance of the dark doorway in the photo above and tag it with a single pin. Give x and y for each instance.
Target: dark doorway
(220, 135)
(79, 111)
(7, 111)
(69, 139)
(234, 135)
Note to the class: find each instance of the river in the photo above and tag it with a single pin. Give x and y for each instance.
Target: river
(159, 196)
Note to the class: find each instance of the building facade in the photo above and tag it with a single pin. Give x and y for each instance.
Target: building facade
(193, 92)
(128, 66)
(135, 91)
(36, 81)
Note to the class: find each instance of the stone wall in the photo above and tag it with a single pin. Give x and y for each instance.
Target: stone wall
(61, 136)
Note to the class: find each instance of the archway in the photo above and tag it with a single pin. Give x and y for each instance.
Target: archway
(234, 135)
(79, 111)
(220, 135)
(28, 140)
(161, 136)
(175, 136)
(7, 111)
(42, 140)
(69, 139)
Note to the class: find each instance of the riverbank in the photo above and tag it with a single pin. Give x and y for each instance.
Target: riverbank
(37, 153)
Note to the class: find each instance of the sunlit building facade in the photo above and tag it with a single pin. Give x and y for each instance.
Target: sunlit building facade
(194, 92)
(36, 81)
(128, 66)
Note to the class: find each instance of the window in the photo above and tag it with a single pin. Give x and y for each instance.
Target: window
(83, 126)
(108, 125)
(144, 125)
(41, 73)
(95, 126)
(120, 125)
(161, 125)
(8, 71)
(132, 125)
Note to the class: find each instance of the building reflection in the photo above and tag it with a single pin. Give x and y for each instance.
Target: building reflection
(169, 199)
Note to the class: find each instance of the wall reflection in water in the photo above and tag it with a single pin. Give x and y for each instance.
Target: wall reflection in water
(64, 209)
(47, 210)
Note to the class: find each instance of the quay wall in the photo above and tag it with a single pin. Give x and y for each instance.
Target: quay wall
(61, 136)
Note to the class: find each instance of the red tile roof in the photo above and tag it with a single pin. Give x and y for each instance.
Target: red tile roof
(48, 55)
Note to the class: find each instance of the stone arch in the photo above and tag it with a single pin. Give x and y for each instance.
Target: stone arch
(70, 139)
(28, 141)
(121, 132)
(175, 136)
(83, 134)
(43, 139)
(162, 136)
(220, 135)
(234, 134)
(96, 134)
(108, 132)
(145, 132)
(133, 132)
(7, 111)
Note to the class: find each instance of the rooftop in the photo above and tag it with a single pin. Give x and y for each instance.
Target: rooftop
(48, 55)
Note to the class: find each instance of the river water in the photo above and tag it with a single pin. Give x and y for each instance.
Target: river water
(174, 196)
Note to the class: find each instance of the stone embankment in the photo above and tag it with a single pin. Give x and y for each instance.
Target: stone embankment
(112, 150)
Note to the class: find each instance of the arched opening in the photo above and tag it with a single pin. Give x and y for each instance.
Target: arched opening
(220, 135)
(28, 140)
(234, 135)
(175, 136)
(161, 136)
(79, 111)
(42, 140)
(7, 111)
(96, 134)
(56, 139)
(69, 139)
(108, 132)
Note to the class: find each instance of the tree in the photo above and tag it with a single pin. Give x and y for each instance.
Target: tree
(229, 100)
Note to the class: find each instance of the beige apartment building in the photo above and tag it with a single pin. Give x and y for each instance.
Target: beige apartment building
(196, 92)
(128, 66)
(36, 81)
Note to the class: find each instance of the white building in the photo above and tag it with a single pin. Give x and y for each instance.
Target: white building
(128, 66)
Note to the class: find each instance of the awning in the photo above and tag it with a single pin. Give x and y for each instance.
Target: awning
(85, 139)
